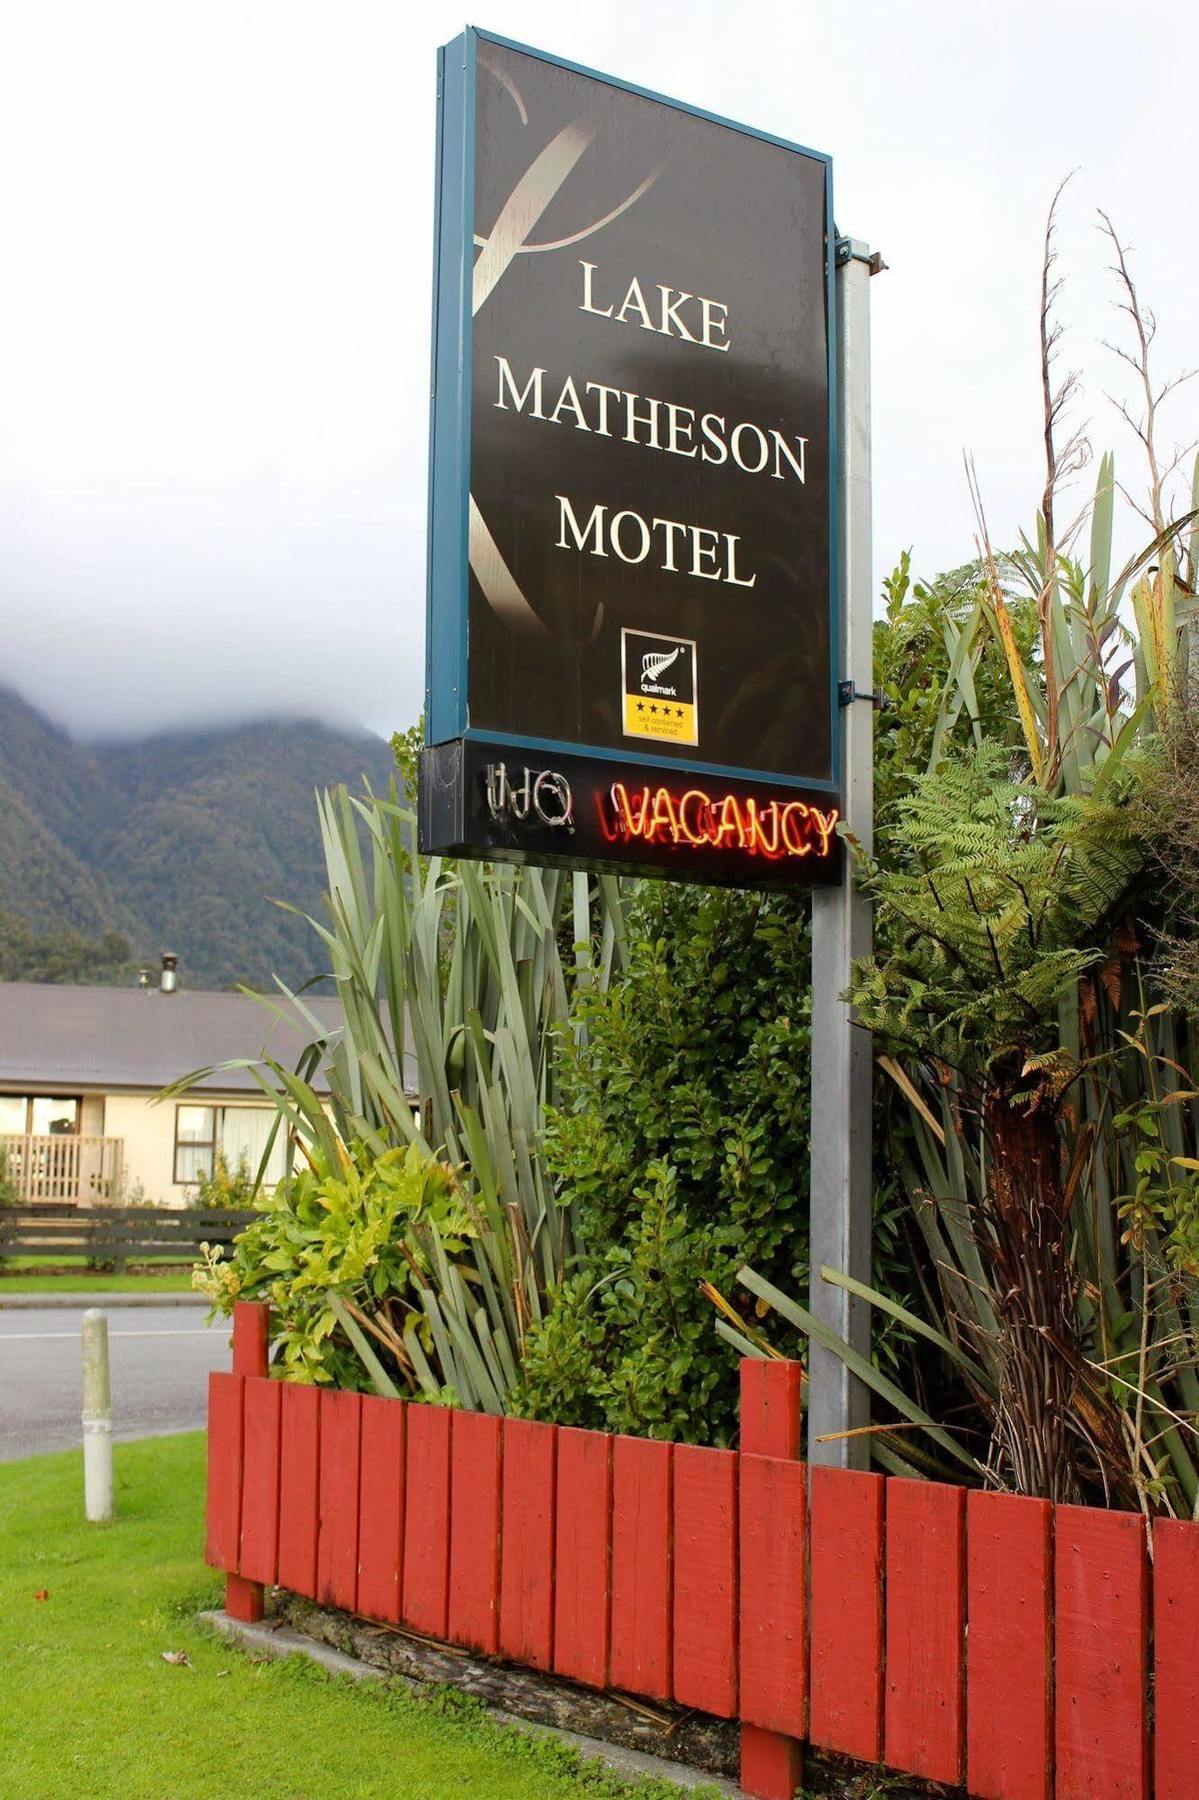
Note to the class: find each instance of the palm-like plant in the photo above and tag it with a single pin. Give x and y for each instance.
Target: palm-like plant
(467, 964)
(1040, 1098)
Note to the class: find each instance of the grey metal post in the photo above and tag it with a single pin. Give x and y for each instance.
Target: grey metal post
(841, 1173)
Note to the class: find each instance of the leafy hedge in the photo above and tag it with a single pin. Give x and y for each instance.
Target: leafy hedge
(682, 1139)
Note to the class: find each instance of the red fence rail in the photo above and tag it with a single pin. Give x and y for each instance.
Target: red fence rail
(971, 1638)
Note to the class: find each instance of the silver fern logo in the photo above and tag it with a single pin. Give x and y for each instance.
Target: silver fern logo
(655, 665)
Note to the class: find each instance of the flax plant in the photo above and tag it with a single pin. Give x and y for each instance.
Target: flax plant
(452, 979)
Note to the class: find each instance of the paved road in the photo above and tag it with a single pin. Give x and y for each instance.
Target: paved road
(160, 1357)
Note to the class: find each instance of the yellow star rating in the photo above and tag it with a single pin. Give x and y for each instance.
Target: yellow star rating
(673, 723)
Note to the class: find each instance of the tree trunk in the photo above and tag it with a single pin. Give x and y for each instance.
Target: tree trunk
(1040, 1358)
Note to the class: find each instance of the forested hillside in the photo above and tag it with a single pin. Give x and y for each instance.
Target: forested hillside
(178, 841)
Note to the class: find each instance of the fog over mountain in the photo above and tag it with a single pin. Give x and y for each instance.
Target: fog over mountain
(214, 319)
(180, 842)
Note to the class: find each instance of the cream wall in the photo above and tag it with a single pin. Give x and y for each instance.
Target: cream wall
(149, 1136)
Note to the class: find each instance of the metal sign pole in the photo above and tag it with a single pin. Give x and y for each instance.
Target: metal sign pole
(841, 1174)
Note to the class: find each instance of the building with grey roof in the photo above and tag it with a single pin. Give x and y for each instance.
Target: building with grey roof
(81, 1069)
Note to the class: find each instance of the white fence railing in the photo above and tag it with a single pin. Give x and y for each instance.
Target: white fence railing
(86, 1170)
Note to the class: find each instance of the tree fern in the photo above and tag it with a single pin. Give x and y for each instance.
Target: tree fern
(997, 898)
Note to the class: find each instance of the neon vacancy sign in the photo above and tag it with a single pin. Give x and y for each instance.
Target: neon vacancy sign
(776, 830)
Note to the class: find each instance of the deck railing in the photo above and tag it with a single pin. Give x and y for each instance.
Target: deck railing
(63, 1167)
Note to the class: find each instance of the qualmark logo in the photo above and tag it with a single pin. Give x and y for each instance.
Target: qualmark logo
(658, 679)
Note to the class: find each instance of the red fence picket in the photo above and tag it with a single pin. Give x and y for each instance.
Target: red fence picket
(774, 1595)
(737, 1582)
(381, 1508)
(845, 1520)
(1009, 1577)
(705, 1579)
(641, 1567)
(475, 1532)
(299, 1463)
(527, 1543)
(1101, 1607)
(260, 1480)
(425, 1593)
(771, 1761)
(1176, 1658)
(582, 1556)
(251, 1337)
(245, 1599)
(222, 1541)
(925, 1575)
(770, 1407)
(337, 1532)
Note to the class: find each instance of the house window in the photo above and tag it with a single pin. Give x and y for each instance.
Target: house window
(39, 1115)
(53, 1117)
(195, 1142)
(239, 1134)
(13, 1110)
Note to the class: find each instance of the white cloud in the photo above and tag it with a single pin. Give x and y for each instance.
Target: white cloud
(214, 315)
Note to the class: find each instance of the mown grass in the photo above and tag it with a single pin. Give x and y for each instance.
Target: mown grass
(70, 1275)
(90, 1708)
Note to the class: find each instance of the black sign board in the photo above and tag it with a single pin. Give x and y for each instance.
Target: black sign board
(502, 801)
(629, 584)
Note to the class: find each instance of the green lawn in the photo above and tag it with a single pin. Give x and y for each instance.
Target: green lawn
(28, 1275)
(90, 1708)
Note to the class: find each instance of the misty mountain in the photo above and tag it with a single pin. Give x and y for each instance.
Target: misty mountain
(178, 841)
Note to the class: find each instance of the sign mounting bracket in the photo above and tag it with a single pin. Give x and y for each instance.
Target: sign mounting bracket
(854, 250)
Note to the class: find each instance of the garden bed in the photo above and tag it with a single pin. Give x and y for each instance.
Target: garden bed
(666, 1731)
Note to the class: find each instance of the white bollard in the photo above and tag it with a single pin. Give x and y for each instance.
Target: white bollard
(97, 1419)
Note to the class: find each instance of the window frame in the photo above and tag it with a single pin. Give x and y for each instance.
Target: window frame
(209, 1144)
(215, 1146)
(28, 1100)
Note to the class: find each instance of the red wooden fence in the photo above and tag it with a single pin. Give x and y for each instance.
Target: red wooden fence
(968, 1638)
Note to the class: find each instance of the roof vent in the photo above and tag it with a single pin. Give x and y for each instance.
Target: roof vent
(168, 981)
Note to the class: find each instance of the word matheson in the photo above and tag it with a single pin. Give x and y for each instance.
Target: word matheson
(630, 637)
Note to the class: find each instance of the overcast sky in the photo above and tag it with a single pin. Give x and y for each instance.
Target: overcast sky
(214, 299)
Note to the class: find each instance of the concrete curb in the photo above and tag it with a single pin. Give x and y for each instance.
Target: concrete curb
(79, 1302)
(270, 1640)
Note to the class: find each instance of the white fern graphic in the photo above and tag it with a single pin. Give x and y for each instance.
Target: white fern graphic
(657, 662)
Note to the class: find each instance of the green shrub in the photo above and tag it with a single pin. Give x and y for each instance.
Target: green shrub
(356, 1241)
(226, 1187)
(681, 1139)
